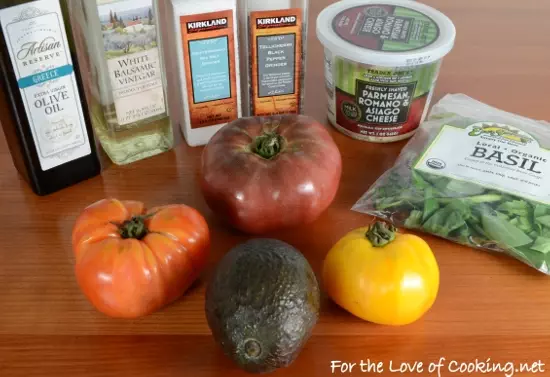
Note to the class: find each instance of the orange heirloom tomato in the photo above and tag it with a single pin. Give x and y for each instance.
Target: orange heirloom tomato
(131, 262)
(382, 276)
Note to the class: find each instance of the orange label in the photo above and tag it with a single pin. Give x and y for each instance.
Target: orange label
(209, 50)
(276, 46)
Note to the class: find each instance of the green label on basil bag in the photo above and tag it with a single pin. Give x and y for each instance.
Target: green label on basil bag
(492, 155)
(386, 28)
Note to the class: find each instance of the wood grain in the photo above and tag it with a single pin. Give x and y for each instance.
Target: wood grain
(489, 305)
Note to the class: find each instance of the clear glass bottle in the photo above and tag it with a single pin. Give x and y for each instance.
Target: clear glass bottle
(126, 76)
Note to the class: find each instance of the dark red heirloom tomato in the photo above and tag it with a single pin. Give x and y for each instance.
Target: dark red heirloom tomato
(262, 174)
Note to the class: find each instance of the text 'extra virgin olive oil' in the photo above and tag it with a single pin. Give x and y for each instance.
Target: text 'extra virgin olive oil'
(42, 111)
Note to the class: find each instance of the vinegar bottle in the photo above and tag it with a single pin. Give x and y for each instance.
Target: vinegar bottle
(42, 111)
(121, 47)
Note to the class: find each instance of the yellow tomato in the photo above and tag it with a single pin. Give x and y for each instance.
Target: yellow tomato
(382, 276)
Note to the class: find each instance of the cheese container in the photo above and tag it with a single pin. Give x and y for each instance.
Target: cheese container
(382, 61)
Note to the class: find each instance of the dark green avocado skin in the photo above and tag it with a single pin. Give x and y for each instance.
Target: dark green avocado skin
(262, 304)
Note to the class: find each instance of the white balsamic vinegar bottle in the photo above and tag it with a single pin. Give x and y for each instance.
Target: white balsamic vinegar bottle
(126, 76)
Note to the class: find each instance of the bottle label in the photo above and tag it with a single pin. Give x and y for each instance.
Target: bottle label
(133, 58)
(384, 27)
(276, 45)
(39, 52)
(210, 69)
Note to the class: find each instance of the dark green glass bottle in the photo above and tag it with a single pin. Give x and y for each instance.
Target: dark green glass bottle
(42, 105)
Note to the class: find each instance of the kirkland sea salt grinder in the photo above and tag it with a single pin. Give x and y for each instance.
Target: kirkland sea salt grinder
(274, 39)
(204, 46)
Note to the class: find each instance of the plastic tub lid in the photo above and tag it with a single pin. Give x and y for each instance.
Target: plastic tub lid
(389, 33)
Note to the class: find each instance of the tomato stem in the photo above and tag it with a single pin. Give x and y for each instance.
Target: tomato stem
(268, 145)
(381, 234)
(134, 228)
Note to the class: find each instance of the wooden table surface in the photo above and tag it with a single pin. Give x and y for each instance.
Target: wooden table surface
(489, 306)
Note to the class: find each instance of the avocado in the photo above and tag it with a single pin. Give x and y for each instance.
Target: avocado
(262, 304)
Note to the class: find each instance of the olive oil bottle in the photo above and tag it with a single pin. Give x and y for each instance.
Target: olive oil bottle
(45, 121)
(125, 75)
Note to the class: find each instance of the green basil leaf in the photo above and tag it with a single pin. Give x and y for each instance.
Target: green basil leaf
(534, 258)
(476, 229)
(463, 188)
(504, 217)
(419, 181)
(526, 224)
(431, 205)
(544, 232)
(544, 220)
(447, 219)
(414, 220)
(516, 207)
(540, 210)
(542, 245)
(440, 183)
(462, 234)
(504, 233)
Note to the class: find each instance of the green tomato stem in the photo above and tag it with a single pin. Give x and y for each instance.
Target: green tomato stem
(268, 145)
(381, 234)
(134, 228)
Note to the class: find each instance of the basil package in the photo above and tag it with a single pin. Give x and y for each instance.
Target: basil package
(474, 175)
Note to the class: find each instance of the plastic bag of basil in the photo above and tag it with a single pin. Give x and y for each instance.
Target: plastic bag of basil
(474, 175)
